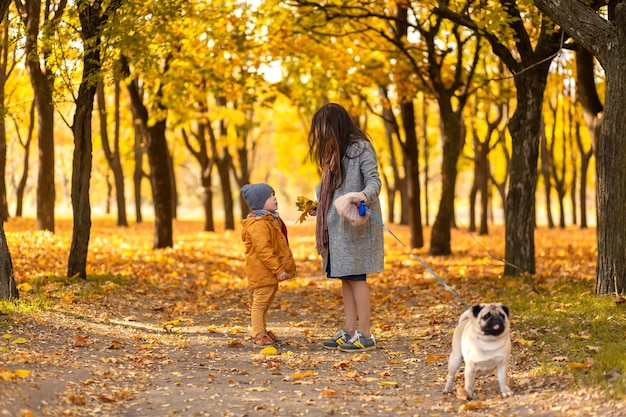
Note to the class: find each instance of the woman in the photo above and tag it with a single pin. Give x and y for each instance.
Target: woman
(348, 164)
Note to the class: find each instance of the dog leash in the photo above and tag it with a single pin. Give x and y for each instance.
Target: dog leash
(363, 209)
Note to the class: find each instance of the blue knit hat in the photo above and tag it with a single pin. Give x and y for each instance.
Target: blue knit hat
(256, 194)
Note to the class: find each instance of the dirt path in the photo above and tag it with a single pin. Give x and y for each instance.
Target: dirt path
(121, 364)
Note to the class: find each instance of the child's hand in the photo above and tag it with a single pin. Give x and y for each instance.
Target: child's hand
(283, 276)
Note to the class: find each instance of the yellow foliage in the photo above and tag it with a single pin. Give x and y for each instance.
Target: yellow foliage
(304, 204)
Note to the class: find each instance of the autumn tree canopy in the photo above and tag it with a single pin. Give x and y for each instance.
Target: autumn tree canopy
(207, 97)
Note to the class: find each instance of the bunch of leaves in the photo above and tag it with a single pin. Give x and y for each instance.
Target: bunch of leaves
(305, 204)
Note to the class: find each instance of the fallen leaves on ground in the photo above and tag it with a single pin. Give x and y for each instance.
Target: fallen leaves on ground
(166, 332)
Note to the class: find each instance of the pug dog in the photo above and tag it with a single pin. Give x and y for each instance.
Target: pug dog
(482, 340)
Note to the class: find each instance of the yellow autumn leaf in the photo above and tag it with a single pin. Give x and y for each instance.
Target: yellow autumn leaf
(269, 350)
(25, 287)
(524, 342)
(213, 328)
(386, 298)
(5, 374)
(430, 358)
(304, 204)
(22, 373)
(472, 405)
(19, 341)
(6, 336)
(116, 344)
(300, 375)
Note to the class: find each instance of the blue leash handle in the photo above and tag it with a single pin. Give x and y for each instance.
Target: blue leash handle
(363, 209)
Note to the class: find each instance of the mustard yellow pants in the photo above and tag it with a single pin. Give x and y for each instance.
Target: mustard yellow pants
(262, 299)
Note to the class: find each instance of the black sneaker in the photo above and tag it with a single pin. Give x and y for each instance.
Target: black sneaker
(359, 343)
(337, 340)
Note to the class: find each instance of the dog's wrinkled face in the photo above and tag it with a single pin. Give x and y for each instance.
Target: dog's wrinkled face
(492, 318)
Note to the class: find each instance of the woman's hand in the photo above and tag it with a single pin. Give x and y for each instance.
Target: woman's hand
(283, 276)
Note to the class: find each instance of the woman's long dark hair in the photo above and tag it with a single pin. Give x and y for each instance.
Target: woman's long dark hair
(332, 131)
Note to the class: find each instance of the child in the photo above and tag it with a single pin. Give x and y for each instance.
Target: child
(268, 257)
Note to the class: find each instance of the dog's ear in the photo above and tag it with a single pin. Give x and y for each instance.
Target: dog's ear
(476, 310)
(506, 310)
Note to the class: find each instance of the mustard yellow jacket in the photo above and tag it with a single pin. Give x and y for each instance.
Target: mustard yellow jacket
(267, 250)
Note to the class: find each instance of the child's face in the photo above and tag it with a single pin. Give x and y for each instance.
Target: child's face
(271, 204)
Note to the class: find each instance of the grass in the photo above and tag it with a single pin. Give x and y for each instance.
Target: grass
(30, 306)
(575, 333)
(41, 293)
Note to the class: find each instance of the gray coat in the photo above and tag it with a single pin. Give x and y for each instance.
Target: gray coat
(357, 250)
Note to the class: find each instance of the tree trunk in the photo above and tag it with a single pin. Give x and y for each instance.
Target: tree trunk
(139, 150)
(4, 7)
(158, 159)
(546, 163)
(411, 163)
(21, 185)
(410, 150)
(223, 161)
(452, 136)
(113, 155)
(592, 112)
(174, 190)
(4, 208)
(481, 181)
(207, 197)
(524, 127)
(81, 172)
(42, 81)
(223, 169)
(92, 19)
(574, 128)
(611, 164)
(392, 133)
(611, 179)
(206, 167)
(584, 169)
(426, 157)
(8, 288)
(607, 41)
(45, 177)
